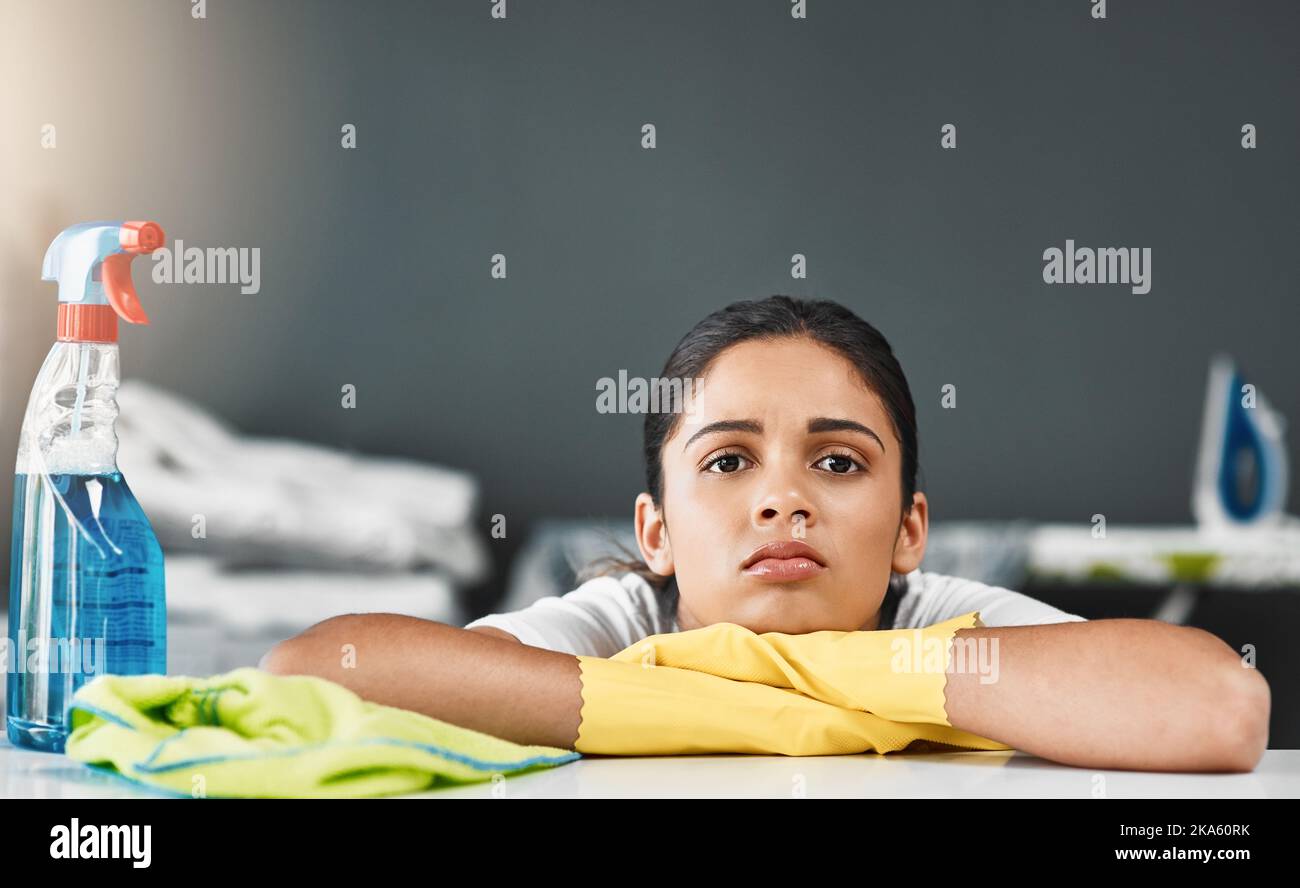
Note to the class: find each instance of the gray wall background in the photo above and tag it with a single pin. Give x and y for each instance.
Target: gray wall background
(775, 136)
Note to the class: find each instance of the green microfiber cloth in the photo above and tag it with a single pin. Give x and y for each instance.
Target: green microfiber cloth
(251, 733)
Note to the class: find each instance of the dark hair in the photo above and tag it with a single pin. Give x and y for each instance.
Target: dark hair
(777, 317)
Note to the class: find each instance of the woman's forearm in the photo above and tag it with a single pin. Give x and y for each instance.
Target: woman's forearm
(519, 693)
(1124, 694)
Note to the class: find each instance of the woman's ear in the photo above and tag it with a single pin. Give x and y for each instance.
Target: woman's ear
(909, 548)
(652, 536)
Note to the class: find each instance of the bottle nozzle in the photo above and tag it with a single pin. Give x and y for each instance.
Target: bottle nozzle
(141, 237)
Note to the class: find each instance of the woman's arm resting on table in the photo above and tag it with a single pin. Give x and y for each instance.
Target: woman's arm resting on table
(1123, 694)
(478, 680)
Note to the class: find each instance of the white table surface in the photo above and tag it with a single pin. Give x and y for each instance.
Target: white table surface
(25, 774)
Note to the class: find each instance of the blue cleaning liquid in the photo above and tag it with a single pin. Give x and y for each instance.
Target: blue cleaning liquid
(81, 602)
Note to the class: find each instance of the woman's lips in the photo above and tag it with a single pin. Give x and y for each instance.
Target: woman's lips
(784, 570)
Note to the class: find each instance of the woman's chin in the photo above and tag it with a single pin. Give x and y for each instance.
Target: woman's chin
(791, 608)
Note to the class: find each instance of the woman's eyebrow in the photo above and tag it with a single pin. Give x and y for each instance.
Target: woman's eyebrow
(827, 424)
(726, 425)
(819, 424)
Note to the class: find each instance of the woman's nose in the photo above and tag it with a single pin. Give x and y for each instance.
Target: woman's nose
(785, 506)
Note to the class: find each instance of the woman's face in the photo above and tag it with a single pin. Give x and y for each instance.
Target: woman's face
(785, 444)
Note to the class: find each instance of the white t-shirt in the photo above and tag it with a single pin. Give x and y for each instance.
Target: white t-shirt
(607, 614)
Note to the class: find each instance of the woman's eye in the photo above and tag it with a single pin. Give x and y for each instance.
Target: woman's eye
(844, 464)
(725, 459)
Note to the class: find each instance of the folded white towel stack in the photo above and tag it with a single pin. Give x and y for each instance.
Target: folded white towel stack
(219, 618)
(262, 537)
(280, 502)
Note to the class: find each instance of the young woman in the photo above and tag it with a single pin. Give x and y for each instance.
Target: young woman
(784, 500)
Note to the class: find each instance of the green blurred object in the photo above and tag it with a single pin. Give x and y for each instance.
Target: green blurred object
(1106, 572)
(1191, 567)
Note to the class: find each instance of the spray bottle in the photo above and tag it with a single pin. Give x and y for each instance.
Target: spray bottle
(86, 593)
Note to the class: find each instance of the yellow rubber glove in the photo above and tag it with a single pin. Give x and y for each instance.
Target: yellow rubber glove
(632, 706)
(897, 674)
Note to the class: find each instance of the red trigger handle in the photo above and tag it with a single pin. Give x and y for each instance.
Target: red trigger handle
(115, 270)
